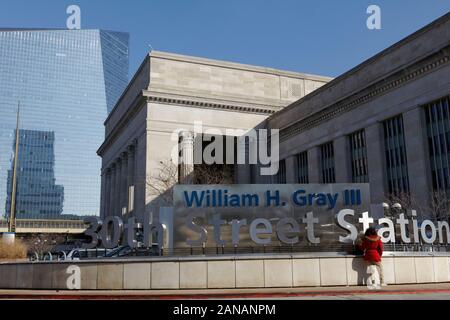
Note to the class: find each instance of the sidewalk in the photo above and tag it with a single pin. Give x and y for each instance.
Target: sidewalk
(280, 293)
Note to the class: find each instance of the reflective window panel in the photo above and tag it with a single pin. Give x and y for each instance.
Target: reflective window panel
(66, 81)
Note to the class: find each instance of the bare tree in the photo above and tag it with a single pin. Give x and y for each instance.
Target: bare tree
(161, 183)
(43, 243)
(213, 174)
(405, 201)
(438, 207)
(166, 176)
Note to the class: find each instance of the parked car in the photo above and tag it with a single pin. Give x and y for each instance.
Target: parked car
(80, 253)
(127, 251)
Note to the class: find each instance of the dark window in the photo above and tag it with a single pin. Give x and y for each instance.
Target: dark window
(302, 167)
(327, 163)
(280, 177)
(438, 134)
(395, 153)
(358, 154)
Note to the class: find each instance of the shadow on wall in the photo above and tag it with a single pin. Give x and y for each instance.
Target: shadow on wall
(359, 266)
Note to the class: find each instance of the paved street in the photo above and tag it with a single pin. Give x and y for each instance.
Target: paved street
(393, 292)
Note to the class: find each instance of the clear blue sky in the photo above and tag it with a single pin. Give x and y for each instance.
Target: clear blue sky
(316, 36)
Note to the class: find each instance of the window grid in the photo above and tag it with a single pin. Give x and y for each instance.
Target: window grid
(302, 167)
(66, 81)
(437, 115)
(280, 177)
(395, 153)
(327, 163)
(358, 153)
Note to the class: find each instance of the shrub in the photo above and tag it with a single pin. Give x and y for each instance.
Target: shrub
(16, 250)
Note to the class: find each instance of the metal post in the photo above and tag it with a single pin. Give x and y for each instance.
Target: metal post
(12, 213)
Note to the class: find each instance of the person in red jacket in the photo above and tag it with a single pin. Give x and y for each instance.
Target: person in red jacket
(373, 250)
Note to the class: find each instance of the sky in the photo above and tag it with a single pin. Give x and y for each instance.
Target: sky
(311, 36)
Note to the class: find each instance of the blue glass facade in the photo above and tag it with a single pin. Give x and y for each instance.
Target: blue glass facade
(37, 195)
(66, 81)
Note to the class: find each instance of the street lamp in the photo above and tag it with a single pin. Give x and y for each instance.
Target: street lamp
(392, 211)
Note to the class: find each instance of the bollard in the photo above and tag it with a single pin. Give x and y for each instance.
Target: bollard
(49, 254)
(8, 237)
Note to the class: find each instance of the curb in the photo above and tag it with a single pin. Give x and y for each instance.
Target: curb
(202, 296)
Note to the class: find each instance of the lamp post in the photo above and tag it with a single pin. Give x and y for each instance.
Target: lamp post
(10, 235)
(390, 211)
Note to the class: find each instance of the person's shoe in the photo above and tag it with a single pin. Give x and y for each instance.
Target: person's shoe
(384, 284)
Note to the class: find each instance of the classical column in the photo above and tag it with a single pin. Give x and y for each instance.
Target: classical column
(117, 201)
(102, 193)
(112, 191)
(376, 162)
(106, 203)
(186, 166)
(131, 178)
(291, 169)
(314, 163)
(263, 173)
(244, 174)
(417, 155)
(140, 177)
(124, 185)
(342, 160)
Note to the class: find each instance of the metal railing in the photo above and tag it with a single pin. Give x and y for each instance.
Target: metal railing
(351, 249)
(43, 225)
(77, 254)
(286, 249)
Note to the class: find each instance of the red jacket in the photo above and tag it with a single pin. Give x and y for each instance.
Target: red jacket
(373, 248)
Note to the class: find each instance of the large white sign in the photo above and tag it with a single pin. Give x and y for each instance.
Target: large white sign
(239, 216)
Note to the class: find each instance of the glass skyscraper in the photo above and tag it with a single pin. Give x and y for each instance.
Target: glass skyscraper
(67, 81)
(37, 195)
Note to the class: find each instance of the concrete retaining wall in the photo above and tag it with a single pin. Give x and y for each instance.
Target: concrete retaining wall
(224, 272)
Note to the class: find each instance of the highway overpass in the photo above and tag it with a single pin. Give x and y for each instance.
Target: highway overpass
(24, 226)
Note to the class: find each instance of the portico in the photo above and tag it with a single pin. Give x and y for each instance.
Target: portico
(118, 179)
(153, 123)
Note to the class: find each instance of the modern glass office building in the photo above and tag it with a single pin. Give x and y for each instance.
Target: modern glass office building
(37, 195)
(67, 81)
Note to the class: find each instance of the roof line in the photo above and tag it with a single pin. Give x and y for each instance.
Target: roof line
(363, 64)
(235, 65)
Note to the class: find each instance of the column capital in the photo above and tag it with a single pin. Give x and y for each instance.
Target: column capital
(187, 136)
(131, 148)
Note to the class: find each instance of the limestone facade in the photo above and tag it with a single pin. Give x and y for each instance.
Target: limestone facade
(383, 102)
(401, 81)
(167, 95)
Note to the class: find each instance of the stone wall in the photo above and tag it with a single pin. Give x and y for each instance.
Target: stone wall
(226, 272)
(194, 76)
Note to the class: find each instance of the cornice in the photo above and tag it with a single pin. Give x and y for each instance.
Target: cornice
(369, 93)
(208, 103)
(171, 99)
(135, 107)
